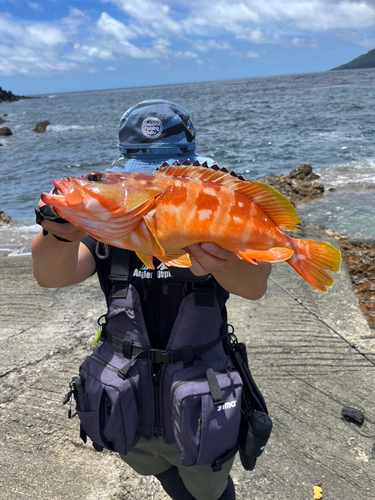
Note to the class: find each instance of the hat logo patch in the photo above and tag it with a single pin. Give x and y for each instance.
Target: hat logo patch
(152, 127)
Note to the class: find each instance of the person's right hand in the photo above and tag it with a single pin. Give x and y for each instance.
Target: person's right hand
(67, 230)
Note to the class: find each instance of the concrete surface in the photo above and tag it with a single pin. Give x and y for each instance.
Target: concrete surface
(305, 372)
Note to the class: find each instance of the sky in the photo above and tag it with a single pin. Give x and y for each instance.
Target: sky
(75, 45)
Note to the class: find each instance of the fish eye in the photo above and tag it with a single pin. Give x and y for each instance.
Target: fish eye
(95, 177)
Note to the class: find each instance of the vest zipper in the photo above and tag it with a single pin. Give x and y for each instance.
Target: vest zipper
(114, 369)
(157, 427)
(228, 371)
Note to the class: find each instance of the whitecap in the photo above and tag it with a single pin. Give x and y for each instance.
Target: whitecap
(67, 128)
(359, 173)
(20, 252)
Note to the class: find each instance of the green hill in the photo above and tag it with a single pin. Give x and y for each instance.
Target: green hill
(364, 61)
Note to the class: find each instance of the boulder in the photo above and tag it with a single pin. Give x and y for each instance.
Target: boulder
(41, 127)
(4, 219)
(2, 120)
(299, 185)
(5, 131)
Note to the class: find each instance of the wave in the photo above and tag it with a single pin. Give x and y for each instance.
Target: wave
(16, 240)
(67, 128)
(360, 173)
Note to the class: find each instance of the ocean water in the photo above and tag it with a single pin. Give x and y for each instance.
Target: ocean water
(254, 126)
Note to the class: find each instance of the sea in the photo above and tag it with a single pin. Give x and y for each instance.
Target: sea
(255, 126)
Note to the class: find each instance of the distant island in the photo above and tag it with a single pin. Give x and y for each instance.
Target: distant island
(364, 61)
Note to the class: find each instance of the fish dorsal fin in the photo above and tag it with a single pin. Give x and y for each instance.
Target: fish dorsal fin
(274, 205)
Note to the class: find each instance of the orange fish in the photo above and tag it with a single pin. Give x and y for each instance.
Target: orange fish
(179, 205)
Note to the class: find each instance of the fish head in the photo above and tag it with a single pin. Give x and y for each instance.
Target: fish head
(89, 196)
(101, 196)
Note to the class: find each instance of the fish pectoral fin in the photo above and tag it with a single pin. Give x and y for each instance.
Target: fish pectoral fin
(177, 259)
(275, 254)
(123, 222)
(137, 198)
(151, 226)
(147, 260)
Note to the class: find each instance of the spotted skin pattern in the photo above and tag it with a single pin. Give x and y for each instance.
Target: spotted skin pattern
(180, 205)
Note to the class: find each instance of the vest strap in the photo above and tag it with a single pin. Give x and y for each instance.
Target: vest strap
(217, 465)
(188, 354)
(120, 273)
(159, 356)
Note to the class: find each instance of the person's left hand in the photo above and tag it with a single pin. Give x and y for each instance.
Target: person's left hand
(210, 258)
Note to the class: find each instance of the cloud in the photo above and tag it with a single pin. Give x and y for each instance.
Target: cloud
(35, 6)
(154, 16)
(210, 44)
(311, 15)
(167, 30)
(85, 53)
(110, 26)
(40, 34)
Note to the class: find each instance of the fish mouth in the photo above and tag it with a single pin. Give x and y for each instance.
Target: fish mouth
(64, 194)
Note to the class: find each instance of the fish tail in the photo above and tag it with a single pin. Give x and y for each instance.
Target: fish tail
(312, 259)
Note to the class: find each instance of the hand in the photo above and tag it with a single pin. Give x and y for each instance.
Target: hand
(66, 230)
(210, 258)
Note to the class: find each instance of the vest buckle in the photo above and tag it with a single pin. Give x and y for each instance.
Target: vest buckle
(160, 356)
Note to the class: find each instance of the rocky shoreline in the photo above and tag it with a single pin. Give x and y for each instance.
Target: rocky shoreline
(8, 96)
(359, 258)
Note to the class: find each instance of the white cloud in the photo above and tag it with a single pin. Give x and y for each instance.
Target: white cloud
(35, 6)
(309, 15)
(26, 61)
(42, 34)
(185, 55)
(211, 44)
(252, 54)
(84, 53)
(154, 16)
(110, 26)
(163, 30)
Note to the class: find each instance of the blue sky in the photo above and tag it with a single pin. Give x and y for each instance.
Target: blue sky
(63, 46)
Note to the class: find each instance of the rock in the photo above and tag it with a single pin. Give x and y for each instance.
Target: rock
(5, 131)
(299, 185)
(303, 172)
(4, 219)
(359, 258)
(2, 120)
(41, 127)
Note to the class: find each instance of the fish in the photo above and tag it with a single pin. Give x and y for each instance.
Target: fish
(163, 213)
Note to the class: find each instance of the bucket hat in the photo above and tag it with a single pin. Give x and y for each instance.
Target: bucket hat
(154, 132)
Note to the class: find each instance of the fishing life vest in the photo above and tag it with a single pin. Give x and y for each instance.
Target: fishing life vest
(189, 394)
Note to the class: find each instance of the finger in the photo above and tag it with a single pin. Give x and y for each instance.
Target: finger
(197, 269)
(210, 263)
(67, 231)
(216, 251)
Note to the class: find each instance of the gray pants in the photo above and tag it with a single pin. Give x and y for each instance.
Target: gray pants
(153, 457)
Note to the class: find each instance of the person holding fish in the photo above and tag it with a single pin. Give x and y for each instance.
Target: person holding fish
(170, 236)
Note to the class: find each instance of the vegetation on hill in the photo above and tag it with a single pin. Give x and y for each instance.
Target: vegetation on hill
(364, 61)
